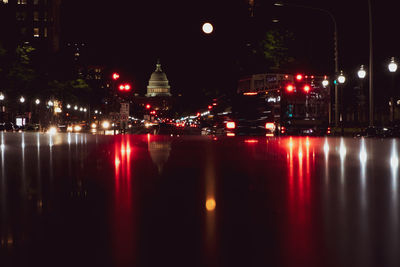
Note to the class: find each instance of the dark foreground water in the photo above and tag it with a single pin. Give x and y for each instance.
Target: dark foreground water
(91, 200)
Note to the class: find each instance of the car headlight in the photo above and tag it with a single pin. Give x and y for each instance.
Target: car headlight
(77, 128)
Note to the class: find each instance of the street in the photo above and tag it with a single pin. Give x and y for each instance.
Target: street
(151, 200)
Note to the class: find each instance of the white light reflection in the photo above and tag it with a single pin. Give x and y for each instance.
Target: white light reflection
(363, 153)
(342, 149)
(2, 146)
(326, 148)
(69, 138)
(23, 140)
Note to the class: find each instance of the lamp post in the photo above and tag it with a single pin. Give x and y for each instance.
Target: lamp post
(361, 73)
(335, 47)
(392, 69)
(371, 92)
(2, 97)
(341, 79)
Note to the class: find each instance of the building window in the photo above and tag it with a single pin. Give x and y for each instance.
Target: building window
(45, 32)
(21, 16)
(22, 2)
(35, 32)
(36, 15)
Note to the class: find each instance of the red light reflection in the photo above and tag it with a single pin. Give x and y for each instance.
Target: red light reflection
(122, 217)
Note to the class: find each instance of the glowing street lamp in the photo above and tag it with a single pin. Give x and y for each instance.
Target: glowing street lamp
(22, 99)
(37, 101)
(325, 83)
(341, 78)
(50, 103)
(392, 65)
(68, 106)
(207, 28)
(76, 108)
(2, 97)
(115, 76)
(361, 72)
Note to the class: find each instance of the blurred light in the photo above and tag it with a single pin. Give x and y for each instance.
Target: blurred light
(325, 83)
(115, 76)
(76, 107)
(251, 141)
(363, 152)
(392, 65)
(105, 124)
(77, 128)
(121, 87)
(37, 101)
(230, 134)
(50, 103)
(68, 106)
(250, 93)
(289, 88)
(84, 110)
(341, 78)
(361, 73)
(22, 99)
(148, 106)
(127, 87)
(211, 204)
(306, 88)
(69, 129)
(207, 28)
(231, 125)
(209, 107)
(1, 97)
(52, 130)
(81, 109)
(270, 126)
(94, 126)
(299, 77)
(96, 111)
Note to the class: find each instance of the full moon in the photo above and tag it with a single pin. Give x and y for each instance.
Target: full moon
(208, 28)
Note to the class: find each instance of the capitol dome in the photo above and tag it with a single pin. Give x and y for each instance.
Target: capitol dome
(158, 83)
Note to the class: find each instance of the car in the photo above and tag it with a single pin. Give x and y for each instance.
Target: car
(375, 131)
(9, 127)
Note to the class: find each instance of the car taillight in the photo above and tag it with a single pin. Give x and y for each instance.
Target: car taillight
(270, 126)
(283, 129)
(328, 131)
(230, 125)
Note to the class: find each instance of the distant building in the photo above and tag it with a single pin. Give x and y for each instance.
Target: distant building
(33, 21)
(158, 83)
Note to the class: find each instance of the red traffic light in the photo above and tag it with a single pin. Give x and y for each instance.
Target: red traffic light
(125, 87)
(289, 88)
(307, 88)
(210, 107)
(148, 106)
(299, 77)
(115, 76)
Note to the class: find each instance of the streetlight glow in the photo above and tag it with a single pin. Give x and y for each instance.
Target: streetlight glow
(68, 106)
(341, 78)
(361, 73)
(207, 28)
(76, 107)
(1, 97)
(392, 65)
(325, 83)
(22, 99)
(37, 101)
(50, 103)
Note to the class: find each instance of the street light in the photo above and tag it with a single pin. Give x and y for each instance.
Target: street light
(325, 83)
(22, 99)
(50, 103)
(37, 101)
(76, 108)
(2, 97)
(335, 45)
(341, 78)
(207, 28)
(392, 68)
(392, 65)
(361, 72)
(68, 106)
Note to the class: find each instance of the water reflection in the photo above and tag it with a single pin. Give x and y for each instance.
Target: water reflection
(159, 152)
(123, 220)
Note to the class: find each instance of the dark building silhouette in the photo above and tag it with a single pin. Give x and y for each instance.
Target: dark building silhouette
(33, 21)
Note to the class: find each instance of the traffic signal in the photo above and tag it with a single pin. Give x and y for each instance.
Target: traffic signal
(306, 88)
(290, 88)
(115, 76)
(124, 87)
(299, 77)
(148, 106)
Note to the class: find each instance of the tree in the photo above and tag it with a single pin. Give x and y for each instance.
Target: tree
(275, 48)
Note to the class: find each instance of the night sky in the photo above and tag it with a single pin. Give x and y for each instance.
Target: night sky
(131, 35)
